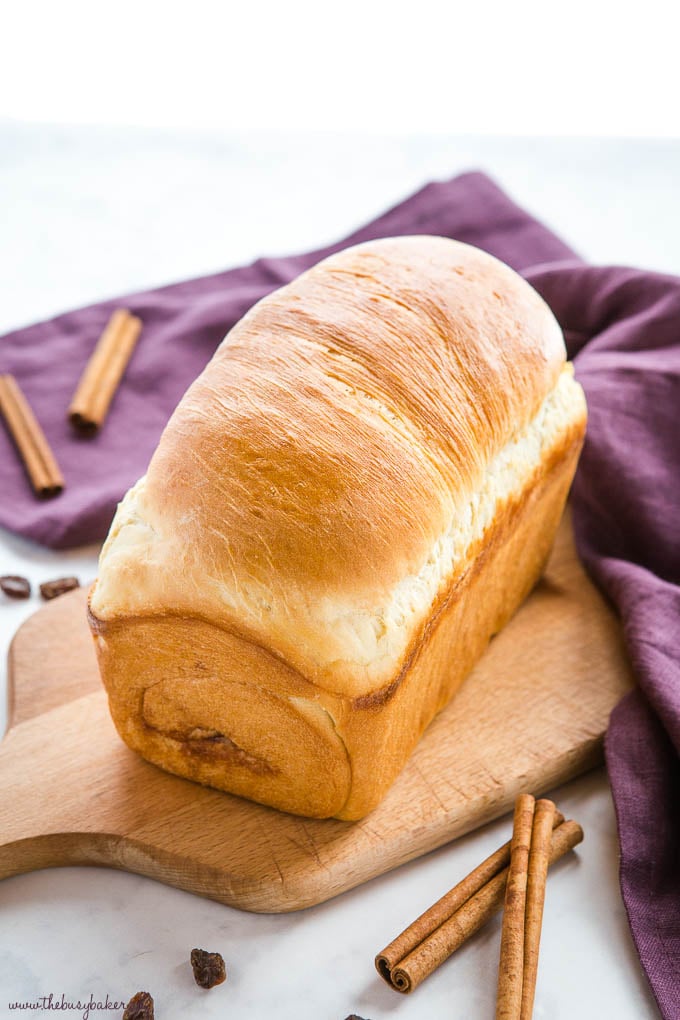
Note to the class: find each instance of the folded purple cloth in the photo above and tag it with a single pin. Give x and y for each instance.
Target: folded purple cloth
(622, 328)
(623, 331)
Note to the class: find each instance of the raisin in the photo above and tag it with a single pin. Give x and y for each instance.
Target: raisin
(50, 589)
(15, 587)
(140, 1007)
(209, 969)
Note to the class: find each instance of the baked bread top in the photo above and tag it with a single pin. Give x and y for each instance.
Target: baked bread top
(337, 462)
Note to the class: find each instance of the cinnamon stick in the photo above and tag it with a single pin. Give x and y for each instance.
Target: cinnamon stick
(440, 941)
(539, 856)
(104, 371)
(37, 457)
(511, 967)
(443, 909)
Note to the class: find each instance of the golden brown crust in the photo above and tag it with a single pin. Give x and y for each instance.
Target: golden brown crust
(368, 474)
(397, 368)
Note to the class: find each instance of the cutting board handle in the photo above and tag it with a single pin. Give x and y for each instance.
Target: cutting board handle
(45, 792)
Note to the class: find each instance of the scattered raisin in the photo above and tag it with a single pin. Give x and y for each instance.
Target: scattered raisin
(15, 587)
(50, 589)
(354, 1016)
(140, 1007)
(208, 968)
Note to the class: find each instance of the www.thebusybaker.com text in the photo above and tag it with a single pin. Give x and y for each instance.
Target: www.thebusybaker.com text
(82, 1006)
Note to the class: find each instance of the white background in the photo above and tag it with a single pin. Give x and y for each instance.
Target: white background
(143, 143)
(527, 67)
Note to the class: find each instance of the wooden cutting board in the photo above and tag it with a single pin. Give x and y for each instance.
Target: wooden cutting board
(531, 715)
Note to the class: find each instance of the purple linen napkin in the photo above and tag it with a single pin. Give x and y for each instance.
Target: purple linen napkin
(622, 327)
(623, 331)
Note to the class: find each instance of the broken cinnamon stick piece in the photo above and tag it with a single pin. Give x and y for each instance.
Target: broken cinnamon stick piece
(441, 942)
(37, 457)
(539, 856)
(104, 371)
(511, 966)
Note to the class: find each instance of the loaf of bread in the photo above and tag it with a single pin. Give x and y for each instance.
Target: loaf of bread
(354, 496)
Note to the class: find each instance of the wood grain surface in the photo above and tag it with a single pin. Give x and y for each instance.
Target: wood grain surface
(531, 715)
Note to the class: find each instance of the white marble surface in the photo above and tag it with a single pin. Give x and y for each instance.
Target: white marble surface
(91, 212)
